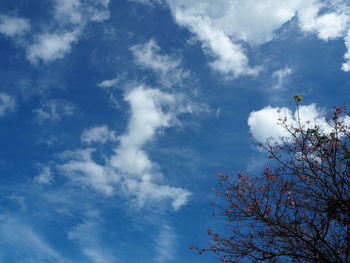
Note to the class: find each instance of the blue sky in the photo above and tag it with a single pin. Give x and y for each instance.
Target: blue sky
(116, 114)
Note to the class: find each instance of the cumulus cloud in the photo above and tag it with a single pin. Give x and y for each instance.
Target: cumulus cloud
(151, 110)
(264, 123)
(98, 134)
(51, 46)
(54, 110)
(329, 25)
(168, 68)
(130, 169)
(7, 104)
(72, 16)
(221, 25)
(146, 118)
(83, 170)
(13, 26)
(229, 56)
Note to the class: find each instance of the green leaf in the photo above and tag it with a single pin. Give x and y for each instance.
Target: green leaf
(297, 97)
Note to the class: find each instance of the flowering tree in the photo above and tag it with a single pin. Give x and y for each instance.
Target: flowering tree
(298, 209)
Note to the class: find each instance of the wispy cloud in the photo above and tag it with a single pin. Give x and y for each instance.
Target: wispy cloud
(87, 236)
(108, 83)
(166, 243)
(45, 176)
(54, 110)
(21, 240)
(280, 77)
(98, 134)
(168, 68)
(7, 104)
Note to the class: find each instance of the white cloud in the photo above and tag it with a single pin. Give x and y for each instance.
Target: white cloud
(51, 46)
(68, 11)
(81, 11)
(72, 16)
(54, 111)
(221, 25)
(147, 192)
(98, 134)
(168, 68)
(130, 169)
(108, 83)
(280, 77)
(346, 65)
(249, 20)
(7, 104)
(13, 26)
(329, 25)
(148, 115)
(45, 177)
(84, 171)
(229, 57)
(263, 124)
(146, 118)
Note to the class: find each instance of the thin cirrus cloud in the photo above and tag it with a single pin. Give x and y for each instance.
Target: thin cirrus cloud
(87, 236)
(148, 56)
(221, 26)
(129, 169)
(166, 244)
(21, 240)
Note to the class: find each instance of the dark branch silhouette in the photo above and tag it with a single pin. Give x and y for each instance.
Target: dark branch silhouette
(298, 209)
